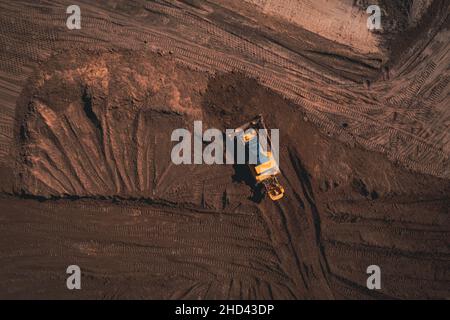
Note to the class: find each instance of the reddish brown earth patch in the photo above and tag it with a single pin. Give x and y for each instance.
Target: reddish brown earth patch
(97, 131)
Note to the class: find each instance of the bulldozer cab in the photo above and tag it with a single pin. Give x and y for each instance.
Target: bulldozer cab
(273, 188)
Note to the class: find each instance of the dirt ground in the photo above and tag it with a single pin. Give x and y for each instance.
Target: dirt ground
(87, 179)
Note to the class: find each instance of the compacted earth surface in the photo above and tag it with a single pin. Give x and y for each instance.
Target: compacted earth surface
(87, 177)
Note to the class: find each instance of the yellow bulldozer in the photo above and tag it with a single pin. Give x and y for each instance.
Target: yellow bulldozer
(265, 168)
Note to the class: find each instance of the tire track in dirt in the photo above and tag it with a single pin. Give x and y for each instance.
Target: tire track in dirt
(182, 15)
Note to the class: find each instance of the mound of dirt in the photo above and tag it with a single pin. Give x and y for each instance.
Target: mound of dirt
(100, 124)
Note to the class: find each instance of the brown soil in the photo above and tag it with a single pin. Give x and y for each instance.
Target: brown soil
(96, 135)
(89, 181)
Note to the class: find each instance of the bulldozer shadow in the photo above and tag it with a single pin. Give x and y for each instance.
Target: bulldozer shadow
(242, 174)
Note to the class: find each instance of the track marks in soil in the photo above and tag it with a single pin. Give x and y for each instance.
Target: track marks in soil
(216, 38)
